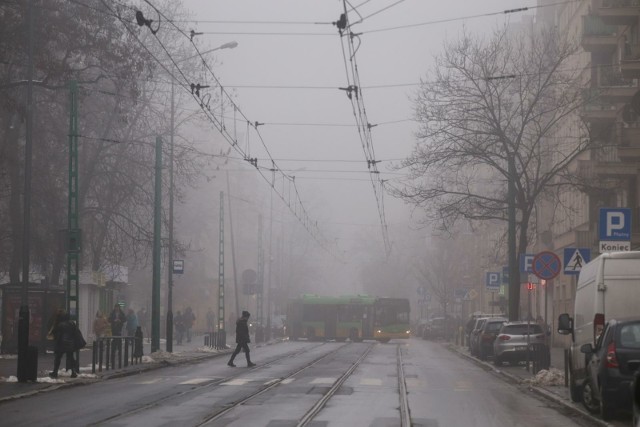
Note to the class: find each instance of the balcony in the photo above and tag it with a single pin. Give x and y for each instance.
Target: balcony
(596, 110)
(629, 147)
(630, 63)
(619, 12)
(598, 37)
(613, 87)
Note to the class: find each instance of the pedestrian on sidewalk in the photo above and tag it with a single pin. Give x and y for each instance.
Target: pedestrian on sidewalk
(65, 343)
(100, 325)
(242, 339)
(188, 318)
(132, 323)
(178, 323)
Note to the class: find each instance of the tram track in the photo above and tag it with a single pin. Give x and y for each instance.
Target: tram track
(198, 388)
(220, 413)
(403, 395)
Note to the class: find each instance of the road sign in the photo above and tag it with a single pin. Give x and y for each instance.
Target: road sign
(472, 294)
(492, 281)
(546, 265)
(613, 246)
(615, 224)
(526, 261)
(460, 293)
(178, 266)
(575, 259)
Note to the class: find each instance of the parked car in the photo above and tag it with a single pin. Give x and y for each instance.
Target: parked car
(511, 343)
(471, 323)
(635, 395)
(488, 335)
(607, 288)
(606, 387)
(475, 333)
(434, 329)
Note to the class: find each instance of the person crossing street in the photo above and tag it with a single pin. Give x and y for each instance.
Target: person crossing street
(242, 339)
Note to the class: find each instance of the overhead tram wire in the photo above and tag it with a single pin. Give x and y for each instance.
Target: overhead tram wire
(353, 90)
(296, 206)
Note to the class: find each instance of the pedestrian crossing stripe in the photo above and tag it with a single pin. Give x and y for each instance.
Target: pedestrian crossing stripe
(196, 381)
(152, 381)
(237, 381)
(371, 381)
(324, 381)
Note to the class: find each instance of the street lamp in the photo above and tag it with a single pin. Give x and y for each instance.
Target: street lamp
(169, 342)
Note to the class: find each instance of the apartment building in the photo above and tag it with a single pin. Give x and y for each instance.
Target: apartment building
(608, 32)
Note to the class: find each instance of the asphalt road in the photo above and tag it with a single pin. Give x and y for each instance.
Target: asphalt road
(290, 380)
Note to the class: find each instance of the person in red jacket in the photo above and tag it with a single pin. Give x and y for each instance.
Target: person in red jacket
(242, 339)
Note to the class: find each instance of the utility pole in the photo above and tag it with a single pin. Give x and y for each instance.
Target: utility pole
(23, 319)
(514, 273)
(170, 269)
(74, 243)
(157, 231)
(233, 250)
(221, 328)
(260, 274)
(267, 333)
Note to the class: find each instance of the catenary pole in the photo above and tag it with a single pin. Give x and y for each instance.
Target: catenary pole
(157, 230)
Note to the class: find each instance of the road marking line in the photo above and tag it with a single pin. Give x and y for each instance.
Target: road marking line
(287, 381)
(275, 380)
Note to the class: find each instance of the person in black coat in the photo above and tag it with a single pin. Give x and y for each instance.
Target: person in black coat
(64, 334)
(242, 339)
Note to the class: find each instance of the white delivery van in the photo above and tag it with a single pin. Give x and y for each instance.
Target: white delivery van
(608, 287)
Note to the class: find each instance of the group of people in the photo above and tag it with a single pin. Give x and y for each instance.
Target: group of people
(117, 321)
(183, 323)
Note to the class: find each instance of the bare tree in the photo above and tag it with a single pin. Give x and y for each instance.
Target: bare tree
(512, 98)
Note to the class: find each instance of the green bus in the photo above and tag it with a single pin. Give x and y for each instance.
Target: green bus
(356, 317)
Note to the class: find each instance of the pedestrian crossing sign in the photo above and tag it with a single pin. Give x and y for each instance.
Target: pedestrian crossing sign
(575, 259)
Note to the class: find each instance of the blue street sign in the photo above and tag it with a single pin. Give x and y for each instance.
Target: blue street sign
(615, 224)
(459, 293)
(492, 281)
(575, 259)
(526, 263)
(546, 265)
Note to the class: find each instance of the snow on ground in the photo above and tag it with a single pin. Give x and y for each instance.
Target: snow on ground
(547, 378)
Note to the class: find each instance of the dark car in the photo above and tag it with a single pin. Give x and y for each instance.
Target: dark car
(611, 365)
(487, 336)
(475, 333)
(635, 394)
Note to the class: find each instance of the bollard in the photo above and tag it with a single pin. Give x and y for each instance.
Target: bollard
(126, 352)
(566, 367)
(138, 350)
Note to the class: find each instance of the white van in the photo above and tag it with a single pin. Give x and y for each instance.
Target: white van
(608, 288)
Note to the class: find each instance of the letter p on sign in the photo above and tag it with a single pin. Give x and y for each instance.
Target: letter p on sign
(615, 222)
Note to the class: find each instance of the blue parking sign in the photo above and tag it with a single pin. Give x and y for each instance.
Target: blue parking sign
(492, 281)
(615, 224)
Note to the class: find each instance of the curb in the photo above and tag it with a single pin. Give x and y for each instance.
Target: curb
(540, 391)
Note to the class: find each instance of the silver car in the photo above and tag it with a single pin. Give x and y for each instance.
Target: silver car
(511, 343)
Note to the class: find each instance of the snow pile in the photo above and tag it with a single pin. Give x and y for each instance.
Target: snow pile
(8, 356)
(206, 349)
(547, 378)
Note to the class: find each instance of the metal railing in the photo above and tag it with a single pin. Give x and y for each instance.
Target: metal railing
(217, 340)
(121, 351)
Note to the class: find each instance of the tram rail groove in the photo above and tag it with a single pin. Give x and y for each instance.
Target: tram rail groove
(403, 396)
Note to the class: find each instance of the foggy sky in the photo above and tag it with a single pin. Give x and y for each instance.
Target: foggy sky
(342, 202)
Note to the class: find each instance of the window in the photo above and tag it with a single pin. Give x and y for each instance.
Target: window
(630, 335)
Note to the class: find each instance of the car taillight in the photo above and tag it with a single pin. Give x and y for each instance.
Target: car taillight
(612, 360)
(504, 337)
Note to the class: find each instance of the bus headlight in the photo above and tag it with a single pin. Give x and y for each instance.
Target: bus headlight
(408, 332)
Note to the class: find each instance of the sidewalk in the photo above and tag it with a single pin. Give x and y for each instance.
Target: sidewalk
(10, 388)
(548, 384)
